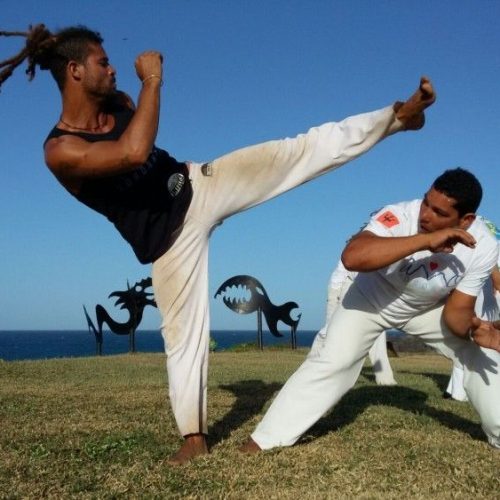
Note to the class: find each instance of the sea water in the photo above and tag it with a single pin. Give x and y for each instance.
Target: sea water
(41, 344)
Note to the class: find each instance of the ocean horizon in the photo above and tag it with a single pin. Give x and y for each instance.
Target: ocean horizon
(17, 345)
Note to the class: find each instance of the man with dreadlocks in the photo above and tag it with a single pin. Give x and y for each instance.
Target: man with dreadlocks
(102, 151)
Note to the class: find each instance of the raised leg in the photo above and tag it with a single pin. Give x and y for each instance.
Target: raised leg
(252, 175)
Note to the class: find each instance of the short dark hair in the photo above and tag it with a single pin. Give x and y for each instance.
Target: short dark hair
(463, 187)
(71, 44)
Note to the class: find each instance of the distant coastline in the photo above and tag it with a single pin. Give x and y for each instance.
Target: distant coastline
(44, 344)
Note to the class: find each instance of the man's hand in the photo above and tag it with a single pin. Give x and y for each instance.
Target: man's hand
(149, 64)
(411, 112)
(444, 240)
(485, 334)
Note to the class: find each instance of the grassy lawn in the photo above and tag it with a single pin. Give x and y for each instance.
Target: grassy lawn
(102, 428)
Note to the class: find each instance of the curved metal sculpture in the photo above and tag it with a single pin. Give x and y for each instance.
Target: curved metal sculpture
(258, 302)
(134, 300)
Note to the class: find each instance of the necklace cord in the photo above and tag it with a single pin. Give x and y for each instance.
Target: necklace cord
(80, 128)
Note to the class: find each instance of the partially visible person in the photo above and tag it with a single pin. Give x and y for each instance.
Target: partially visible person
(421, 265)
(340, 281)
(488, 301)
(487, 308)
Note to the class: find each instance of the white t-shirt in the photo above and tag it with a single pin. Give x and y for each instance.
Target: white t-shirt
(488, 301)
(424, 279)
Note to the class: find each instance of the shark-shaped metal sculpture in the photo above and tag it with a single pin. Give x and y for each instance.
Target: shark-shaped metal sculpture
(234, 293)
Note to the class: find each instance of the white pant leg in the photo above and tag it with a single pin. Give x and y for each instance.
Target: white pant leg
(482, 386)
(180, 281)
(378, 352)
(380, 362)
(238, 181)
(481, 367)
(252, 175)
(456, 384)
(486, 308)
(334, 296)
(322, 380)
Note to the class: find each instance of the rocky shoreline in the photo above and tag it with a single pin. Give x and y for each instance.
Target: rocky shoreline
(404, 344)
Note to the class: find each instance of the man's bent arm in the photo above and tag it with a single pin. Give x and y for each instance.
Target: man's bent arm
(71, 157)
(458, 313)
(368, 252)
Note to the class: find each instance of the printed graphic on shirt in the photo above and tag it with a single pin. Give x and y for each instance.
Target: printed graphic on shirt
(427, 273)
(127, 180)
(388, 219)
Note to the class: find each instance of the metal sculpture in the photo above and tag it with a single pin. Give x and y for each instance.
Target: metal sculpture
(134, 300)
(260, 303)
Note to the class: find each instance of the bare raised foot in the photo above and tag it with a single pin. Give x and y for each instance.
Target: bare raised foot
(411, 112)
(194, 445)
(250, 447)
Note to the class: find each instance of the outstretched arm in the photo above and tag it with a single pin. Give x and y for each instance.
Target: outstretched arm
(71, 158)
(369, 252)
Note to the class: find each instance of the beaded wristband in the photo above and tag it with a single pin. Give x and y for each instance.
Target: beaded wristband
(153, 76)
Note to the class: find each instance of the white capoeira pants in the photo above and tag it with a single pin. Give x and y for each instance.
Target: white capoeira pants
(378, 352)
(323, 379)
(455, 386)
(237, 181)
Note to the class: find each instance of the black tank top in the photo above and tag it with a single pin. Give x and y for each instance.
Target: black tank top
(146, 205)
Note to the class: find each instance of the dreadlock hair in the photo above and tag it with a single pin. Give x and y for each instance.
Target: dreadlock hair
(463, 187)
(50, 51)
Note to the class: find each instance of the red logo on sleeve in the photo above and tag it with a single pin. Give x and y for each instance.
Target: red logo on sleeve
(388, 219)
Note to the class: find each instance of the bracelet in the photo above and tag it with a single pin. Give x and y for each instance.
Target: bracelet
(470, 334)
(153, 76)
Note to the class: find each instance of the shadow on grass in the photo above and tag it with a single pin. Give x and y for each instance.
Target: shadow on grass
(251, 396)
(440, 379)
(403, 398)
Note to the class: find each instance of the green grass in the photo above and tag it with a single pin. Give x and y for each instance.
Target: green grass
(102, 428)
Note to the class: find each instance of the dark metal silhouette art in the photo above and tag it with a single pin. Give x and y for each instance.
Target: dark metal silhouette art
(134, 300)
(258, 302)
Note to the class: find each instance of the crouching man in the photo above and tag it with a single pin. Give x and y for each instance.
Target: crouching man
(421, 266)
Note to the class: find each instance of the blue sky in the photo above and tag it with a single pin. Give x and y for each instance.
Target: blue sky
(239, 72)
